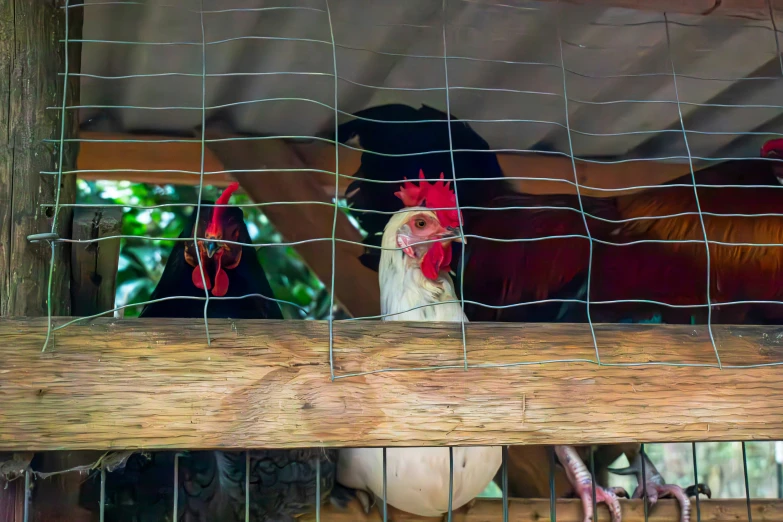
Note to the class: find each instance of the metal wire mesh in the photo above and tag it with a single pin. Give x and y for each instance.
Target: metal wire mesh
(446, 88)
(560, 66)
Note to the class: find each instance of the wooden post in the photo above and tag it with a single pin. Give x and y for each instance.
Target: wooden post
(31, 57)
(94, 265)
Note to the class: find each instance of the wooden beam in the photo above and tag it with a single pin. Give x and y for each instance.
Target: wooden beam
(107, 157)
(756, 9)
(356, 287)
(114, 154)
(94, 265)
(31, 59)
(155, 383)
(570, 510)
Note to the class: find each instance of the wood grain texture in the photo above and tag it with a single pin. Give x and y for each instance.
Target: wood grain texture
(31, 57)
(155, 383)
(103, 158)
(94, 265)
(570, 510)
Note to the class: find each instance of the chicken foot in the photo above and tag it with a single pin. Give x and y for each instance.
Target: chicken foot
(652, 486)
(582, 481)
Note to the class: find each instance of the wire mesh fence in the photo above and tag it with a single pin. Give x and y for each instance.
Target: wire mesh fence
(604, 90)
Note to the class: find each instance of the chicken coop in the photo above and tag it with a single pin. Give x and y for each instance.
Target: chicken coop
(253, 249)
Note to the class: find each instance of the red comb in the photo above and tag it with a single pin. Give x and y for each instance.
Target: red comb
(217, 212)
(433, 195)
(776, 145)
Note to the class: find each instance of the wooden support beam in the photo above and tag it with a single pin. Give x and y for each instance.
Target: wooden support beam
(31, 59)
(755, 9)
(155, 383)
(570, 510)
(356, 287)
(94, 265)
(114, 154)
(106, 157)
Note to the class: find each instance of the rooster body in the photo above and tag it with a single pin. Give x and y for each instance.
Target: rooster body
(417, 478)
(211, 484)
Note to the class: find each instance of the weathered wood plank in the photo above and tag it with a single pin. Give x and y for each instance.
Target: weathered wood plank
(101, 158)
(108, 157)
(94, 265)
(570, 510)
(155, 383)
(31, 58)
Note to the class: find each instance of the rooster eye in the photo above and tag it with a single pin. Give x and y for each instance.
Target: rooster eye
(420, 223)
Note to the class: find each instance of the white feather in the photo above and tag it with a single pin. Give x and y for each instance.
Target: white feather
(417, 479)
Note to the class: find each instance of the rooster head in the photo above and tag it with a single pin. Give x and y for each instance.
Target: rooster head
(216, 225)
(423, 239)
(774, 149)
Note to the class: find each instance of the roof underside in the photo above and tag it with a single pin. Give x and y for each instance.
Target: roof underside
(504, 64)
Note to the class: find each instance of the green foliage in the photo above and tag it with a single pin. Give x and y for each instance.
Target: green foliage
(142, 260)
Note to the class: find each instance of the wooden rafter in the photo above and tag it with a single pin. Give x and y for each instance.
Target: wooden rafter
(156, 384)
(104, 158)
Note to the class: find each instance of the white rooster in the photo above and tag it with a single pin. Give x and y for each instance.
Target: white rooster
(414, 272)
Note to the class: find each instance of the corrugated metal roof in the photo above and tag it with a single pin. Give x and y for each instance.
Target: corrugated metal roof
(505, 65)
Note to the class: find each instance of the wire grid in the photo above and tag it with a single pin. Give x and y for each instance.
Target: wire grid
(446, 58)
(642, 492)
(446, 89)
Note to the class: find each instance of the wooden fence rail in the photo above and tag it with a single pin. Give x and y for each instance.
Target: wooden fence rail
(155, 383)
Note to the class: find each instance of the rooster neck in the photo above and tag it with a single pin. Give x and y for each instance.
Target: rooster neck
(404, 287)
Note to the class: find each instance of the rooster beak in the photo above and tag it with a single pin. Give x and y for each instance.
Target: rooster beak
(211, 248)
(453, 234)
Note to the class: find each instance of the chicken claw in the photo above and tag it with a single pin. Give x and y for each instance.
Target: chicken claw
(651, 482)
(582, 482)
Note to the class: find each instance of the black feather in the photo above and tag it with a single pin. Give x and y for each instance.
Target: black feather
(212, 483)
(247, 278)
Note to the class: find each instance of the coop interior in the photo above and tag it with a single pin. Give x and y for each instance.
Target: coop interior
(212, 211)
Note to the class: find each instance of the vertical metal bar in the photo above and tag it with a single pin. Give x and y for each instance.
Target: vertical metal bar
(318, 488)
(579, 198)
(385, 502)
(504, 483)
(695, 189)
(27, 495)
(247, 486)
(552, 499)
(103, 495)
(779, 462)
(175, 515)
(644, 483)
(592, 483)
(747, 482)
(456, 194)
(201, 173)
(336, 192)
(58, 187)
(696, 482)
(451, 481)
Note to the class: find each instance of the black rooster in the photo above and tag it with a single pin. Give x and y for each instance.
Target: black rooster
(211, 484)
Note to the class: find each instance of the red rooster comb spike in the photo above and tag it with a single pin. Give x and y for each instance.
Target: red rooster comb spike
(217, 212)
(771, 145)
(432, 195)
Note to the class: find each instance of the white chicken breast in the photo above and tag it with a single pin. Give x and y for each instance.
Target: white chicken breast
(417, 479)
